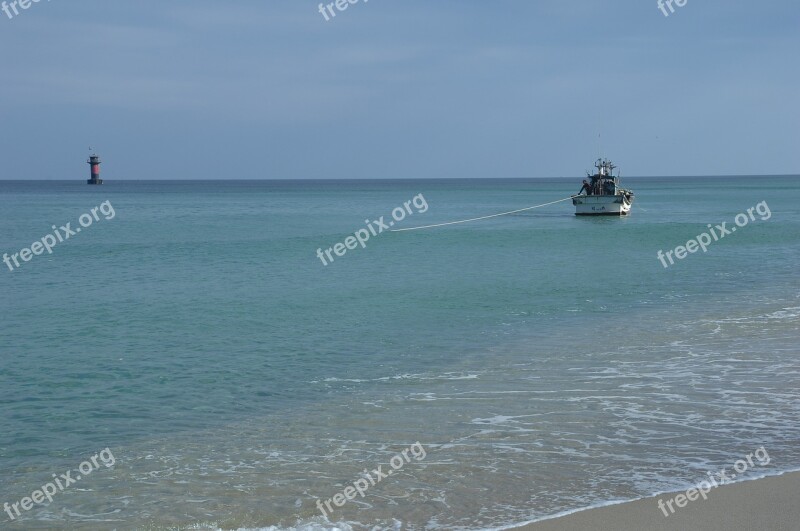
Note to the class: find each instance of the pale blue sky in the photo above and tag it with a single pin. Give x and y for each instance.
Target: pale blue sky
(398, 88)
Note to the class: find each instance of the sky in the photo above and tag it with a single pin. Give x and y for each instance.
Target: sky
(390, 89)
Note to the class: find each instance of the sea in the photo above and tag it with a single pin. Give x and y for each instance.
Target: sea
(236, 354)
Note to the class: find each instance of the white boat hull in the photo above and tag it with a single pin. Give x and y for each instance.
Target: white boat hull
(602, 205)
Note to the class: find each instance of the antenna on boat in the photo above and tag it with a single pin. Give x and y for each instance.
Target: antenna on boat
(600, 133)
(599, 145)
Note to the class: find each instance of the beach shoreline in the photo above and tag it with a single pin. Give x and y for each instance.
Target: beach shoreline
(765, 503)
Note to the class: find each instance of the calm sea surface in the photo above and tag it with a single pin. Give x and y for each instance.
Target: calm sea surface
(545, 362)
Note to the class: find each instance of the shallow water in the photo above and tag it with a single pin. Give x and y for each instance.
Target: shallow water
(545, 362)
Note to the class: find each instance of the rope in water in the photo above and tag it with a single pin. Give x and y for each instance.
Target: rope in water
(483, 217)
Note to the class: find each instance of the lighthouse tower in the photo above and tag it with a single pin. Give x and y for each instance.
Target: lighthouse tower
(94, 162)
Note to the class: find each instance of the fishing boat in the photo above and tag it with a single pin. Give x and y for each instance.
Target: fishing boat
(601, 194)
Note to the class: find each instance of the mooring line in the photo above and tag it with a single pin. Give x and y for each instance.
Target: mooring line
(482, 217)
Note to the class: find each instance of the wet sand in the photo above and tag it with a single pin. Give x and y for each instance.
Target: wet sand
(769, 503)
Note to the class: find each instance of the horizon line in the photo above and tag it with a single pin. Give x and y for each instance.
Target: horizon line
(301, 179)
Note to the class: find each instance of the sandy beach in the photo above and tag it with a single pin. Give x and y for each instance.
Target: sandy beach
(768, 503)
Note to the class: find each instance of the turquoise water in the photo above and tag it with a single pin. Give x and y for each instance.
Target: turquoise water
(545, 362)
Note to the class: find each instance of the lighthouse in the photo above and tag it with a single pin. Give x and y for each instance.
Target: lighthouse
(94, 162)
